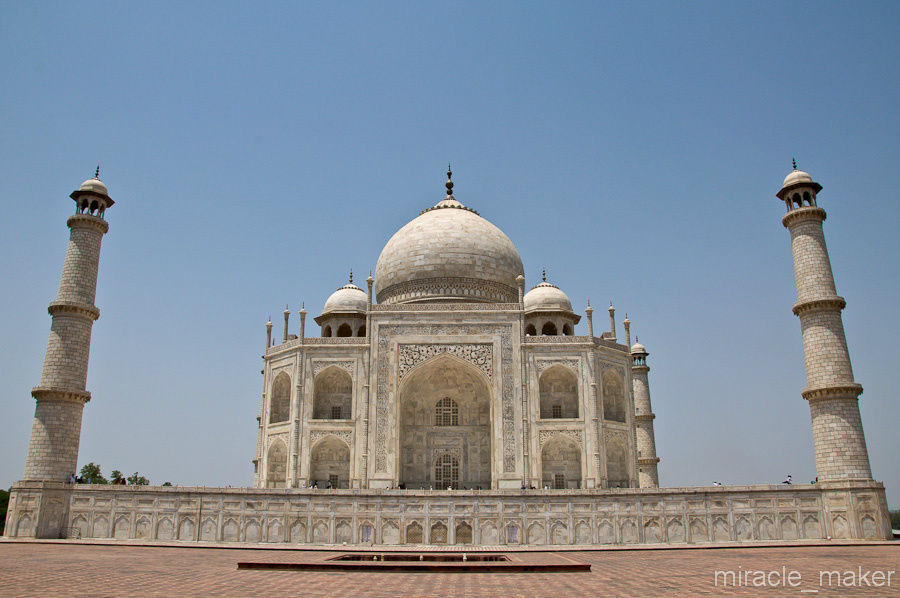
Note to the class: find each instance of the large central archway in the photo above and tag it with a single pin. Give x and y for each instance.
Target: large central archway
(445, 426)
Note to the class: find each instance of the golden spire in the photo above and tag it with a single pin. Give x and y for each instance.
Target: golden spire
(449, 183)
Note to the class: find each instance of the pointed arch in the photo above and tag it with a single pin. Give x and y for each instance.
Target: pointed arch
(280, 401)
(329, 463)
(414, 533)
(437, 384)
(549, 329)
(463, 533)
(333, 394)
(558, 389)
(616, 463)
(276, 465)
(613, 396)
(530, 330)
(561, 463)
(344, 330)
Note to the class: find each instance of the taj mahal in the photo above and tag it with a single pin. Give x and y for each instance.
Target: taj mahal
(447, 403)
(463, 380)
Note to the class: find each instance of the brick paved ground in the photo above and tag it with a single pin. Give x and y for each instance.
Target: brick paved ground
(32, 569)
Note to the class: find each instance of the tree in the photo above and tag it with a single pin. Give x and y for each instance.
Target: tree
(167, 483)
(138, 480)
(116, 476)
(895, 519)
(4, 503)
(91, 474)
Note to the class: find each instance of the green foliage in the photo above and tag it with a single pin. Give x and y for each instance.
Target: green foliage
(138, 480)
(167, 483)
(91, 474)
(895, 519)
(116, 477)
(4, 503)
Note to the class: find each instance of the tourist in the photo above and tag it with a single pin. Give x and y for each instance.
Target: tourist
(788, 480)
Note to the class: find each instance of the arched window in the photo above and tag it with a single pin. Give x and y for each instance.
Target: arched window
(446, 472)
(333, 394)
(344, 330)
(280, 401)
(530, 330)
(276, 465)
(613, 397)
(558, 389)
(446, 412)
(806, 198)
(561, 464)
(361, 331)
(414, 533)
(329, 464)
(326, 331)
(567, 329)
(616, 464)
(549, 329)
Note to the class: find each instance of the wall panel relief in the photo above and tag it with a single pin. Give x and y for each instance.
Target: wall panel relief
(481, 355)
(319, 365)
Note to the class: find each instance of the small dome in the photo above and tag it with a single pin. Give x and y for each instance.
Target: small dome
(638, 348)
(348, 298)
(796, 176)
(94, 185)
(547, 297)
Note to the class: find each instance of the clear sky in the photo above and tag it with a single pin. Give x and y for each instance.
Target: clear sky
(258, 151)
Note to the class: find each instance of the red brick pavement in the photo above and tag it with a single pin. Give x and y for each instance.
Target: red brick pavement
(33, 569)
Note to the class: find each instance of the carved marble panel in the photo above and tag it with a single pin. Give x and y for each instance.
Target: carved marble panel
(543, 364)
(546, 435)
(319, 365)
(481, 355)
(317, 435)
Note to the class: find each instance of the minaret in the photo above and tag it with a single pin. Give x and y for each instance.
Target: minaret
(61, 395)
(830, 390)
(648, 475)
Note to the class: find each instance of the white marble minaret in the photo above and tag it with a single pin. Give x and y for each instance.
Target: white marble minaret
(61, 394)
(830, 389)
(648, 474)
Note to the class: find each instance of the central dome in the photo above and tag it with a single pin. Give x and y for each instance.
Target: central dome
(448, 254)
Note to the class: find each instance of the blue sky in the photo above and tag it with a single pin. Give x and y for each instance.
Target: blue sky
(257, 152)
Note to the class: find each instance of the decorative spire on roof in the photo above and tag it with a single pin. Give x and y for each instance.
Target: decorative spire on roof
(543, 275)
(351, 275)
(449, 183)
(794, 162)
(97, 173)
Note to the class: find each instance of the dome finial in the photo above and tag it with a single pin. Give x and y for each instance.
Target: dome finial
(449, 183)
(794, 162)
(543, 274)
(97, 173)
(351, 275)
